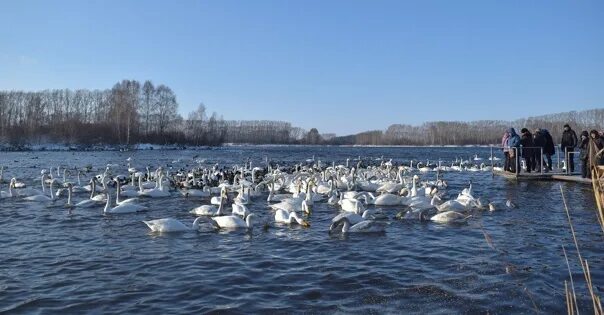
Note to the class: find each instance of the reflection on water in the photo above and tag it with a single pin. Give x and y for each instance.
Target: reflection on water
(54, 260)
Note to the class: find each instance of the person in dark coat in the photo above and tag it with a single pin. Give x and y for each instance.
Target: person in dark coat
(568, 144)
(539, 142)
(596, 149)
(514, 145)
(528, 152)
(543, 139)
(584, 154)
(550, 149)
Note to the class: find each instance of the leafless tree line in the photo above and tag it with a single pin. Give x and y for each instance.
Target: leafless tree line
(475, 132)
(131, 112)
(128, 113)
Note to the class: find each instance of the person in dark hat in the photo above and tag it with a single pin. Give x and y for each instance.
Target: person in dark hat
(528, 152)
(584, 154)
(568, 144)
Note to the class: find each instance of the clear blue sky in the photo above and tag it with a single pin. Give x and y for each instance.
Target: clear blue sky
(341, 66)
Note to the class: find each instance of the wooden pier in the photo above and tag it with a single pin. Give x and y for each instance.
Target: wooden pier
(553, 176)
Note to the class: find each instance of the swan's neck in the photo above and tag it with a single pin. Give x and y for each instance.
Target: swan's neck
(43, 185)
(294, 216)
(79, 180)
(365, 214)
(92, 188)
(248, 221)
(69, 197)
(108, 204)
(52, 195)
(346, 226)
(140, 184)
(196, 223)
(117, 194)
(220, 207)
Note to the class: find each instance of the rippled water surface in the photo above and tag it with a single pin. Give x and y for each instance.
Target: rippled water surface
(53, 260)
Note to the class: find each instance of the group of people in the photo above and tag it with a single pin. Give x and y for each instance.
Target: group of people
(539, 146)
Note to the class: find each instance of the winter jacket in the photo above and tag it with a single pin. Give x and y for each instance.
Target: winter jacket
(569, 139)
(504, 142)
(584, 147)
(539, 139)
(514, 140)
(526, 140)
(549, 143)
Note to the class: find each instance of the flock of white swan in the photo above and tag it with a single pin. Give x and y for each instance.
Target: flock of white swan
(355, 193)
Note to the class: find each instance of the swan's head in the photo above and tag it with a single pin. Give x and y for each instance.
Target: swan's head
(300, 221)
(334, 225)
(491, 206)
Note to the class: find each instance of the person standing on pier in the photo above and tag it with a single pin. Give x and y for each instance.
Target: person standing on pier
(528, 154)
(544, 140)
(514, 150)
(506, 151)
(596, 149)
(584, 155)
(568, 145)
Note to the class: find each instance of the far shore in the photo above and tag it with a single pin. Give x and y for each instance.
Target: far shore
(147, 146)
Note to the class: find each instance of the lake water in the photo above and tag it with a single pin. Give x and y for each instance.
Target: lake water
(56, 261)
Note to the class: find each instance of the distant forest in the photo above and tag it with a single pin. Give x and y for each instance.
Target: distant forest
(131, 112)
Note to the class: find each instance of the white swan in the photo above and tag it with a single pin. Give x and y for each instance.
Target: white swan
(217, 200)
(209, 210)
(157, 192)
(452, 205)
(238, 209)
(43, 198)
(117, 195)
(282, 216)
(233, 222)
(387, 200)
(9, 193)
(424, 204)
(26, 192)
(352, 217)
(292, 205)
(351, 205)
(365, 226)
(170, 225)
(450, 217)
(123, 208)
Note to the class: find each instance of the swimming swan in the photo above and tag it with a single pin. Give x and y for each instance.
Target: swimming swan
(170, 225)
(233, 222)
(282, 216)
